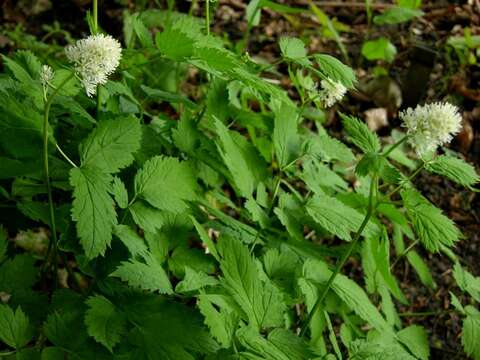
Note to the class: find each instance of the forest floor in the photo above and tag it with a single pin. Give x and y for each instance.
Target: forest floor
(425, 69)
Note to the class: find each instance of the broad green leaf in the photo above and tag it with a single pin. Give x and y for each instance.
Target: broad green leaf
(466, 281)
(147, 276)
(104, 322)
(416, 339)
(381, 347)
(359, 133)
(338, 218)
(329, 148)
(166, 183)
(455, 169)
(432, 227)
(15, 329)
(111, 145)
(134, 243)
(396, 15)
(142, 32)
(92, 209)
(260, 300)
(285, 134)
(174, 44)
(471, 332)
(379, 49)
(334, 69)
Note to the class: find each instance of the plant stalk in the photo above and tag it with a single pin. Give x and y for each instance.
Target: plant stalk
(207, 16)
(95, 16)
(344, 258)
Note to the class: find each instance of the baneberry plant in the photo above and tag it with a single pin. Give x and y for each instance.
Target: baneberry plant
(215, 225)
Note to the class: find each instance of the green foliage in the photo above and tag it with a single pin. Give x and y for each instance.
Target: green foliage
(200, 208)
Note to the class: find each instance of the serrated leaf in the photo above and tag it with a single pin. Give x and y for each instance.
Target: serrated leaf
(194, 280)
(329, 148)
(455, 169)
(15, 330)
(119, 192)
(421, 269)
(260, 300)
(207, 242)
(471, 332)
(360, 134)
(338, 218)
(285, 134)
(294, 49)
(111, 145)
(134, 243)
(174, 44)
(432, 227)
(351, 293)
(166, 183)
(466, 281)
(146, 216)
(416, 339)
(104, 322)
(335, 70)
(92, 209)
(148, 276)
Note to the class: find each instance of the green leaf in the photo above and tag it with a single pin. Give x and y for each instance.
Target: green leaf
(104, 322)
(166, 183)
(92, 209)
(350, 293)
(147, 217)
(334, 69)
(338, 218)
(467, 282)
(15, 329)
(260, 300)
(293, 49)
(432, 227)
(379, 49)
(111, 145)
(147, 276)
(422, 269)
(174, 44)
(285, 134)
(142, 32)
(397, 15)
(329, 148)
(471, 332)
(360, 134)
(134, 243)
(119, 192)
(221, 319)
(207, 242)
(194, 280)
(455, 169)
(236, 160)
(416, 339)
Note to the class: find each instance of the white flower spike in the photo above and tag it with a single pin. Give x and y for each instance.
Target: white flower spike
(331, 92)
(94, 58)
(431, 125)
(46, 75)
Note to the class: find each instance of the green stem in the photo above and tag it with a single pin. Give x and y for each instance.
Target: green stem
(207, 16)
(410, 178)
(345, 257)
(405, 252)
(95, 16)
(48, 103)
(394, 146)
(65, 156)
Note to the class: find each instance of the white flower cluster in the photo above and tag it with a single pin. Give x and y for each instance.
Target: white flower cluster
(94, 58)
(46, 75)
(431, 125)
(331, 92)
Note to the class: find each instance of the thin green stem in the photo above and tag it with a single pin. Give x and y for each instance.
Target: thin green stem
(410, 178)
(404, 253)
(344, 258)
(53, 228)
(65, 156)
(394, 146)
(95, 16)
(207, 16)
